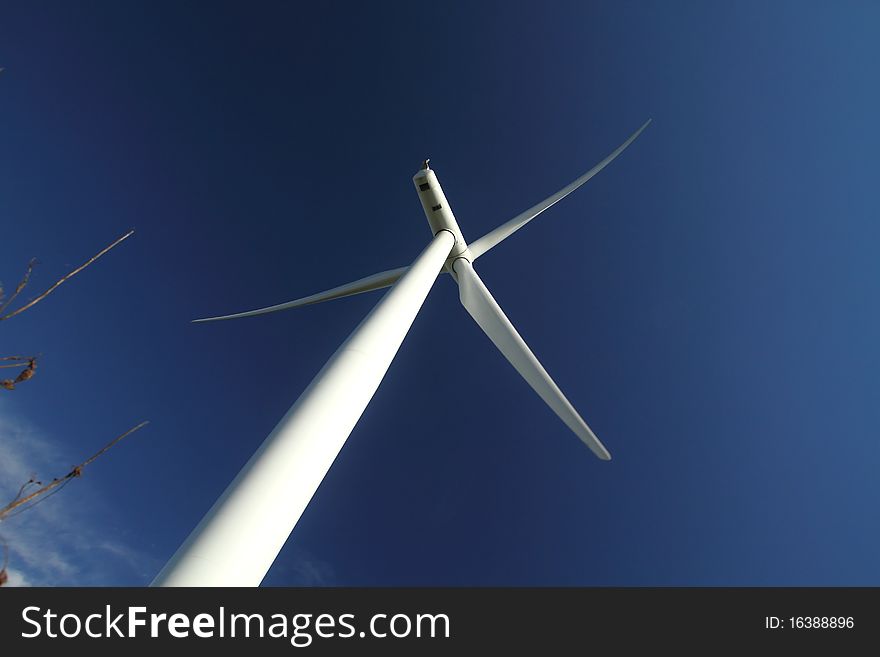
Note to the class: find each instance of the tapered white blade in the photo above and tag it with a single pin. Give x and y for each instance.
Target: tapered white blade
(505, 230)
(478, 301)
(375, 282)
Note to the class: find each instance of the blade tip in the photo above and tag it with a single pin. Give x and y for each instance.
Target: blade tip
(600, 451)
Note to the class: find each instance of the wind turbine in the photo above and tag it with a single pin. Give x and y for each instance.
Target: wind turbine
(240, 536)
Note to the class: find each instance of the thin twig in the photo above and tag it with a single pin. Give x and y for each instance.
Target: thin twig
(21, 490)
(75, 472)
(63, 279)
(45, 497)
(21, 285)
(27, 373)
(18, 361)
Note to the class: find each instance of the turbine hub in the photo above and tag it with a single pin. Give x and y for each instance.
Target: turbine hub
(438, 212)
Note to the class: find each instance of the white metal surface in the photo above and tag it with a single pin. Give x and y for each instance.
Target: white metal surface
(481, 305)
(367, 284)
(505, 230)
(239, 538)
(439, 212)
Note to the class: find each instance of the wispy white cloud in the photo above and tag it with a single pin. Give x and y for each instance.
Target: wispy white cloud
(57, 542)
(296, 566)
(17, 578)
(311, 571)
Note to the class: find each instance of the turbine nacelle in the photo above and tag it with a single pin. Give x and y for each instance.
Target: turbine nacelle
(439, 213)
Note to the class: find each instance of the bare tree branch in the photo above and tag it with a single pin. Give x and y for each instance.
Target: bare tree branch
(21, 285)
(25, 500)
(18, 361)
(76, 471)
(30, 367)
(36, 300)
(30, 482)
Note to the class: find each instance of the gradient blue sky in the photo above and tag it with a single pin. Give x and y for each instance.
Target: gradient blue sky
(709, 302)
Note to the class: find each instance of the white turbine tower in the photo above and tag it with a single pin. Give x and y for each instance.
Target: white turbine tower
(240, 536)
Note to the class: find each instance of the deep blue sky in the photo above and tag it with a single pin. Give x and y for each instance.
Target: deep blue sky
(709, 302)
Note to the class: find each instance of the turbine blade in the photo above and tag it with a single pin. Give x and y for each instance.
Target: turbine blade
(505, 230)
(478, 301)
(367, 284)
